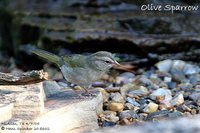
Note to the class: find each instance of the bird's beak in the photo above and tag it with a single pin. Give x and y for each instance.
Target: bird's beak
(116, 63)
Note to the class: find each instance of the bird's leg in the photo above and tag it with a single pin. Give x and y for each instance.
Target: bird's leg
(87, 93)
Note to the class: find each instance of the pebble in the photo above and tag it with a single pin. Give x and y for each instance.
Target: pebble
(124, 122)
(125, 115)
(108, 112)
(104, 93)
(171, 85)
(175, 114)
(114, 106)
(183, 108)
(161, 93)
(130, 106)
(178, 65)
(150, 108)
(195, 96)
(124, 89)
(108, 124)
(158, 115)
(125, 78)
(167, 79)
(112, 118)
(139, 91)
(177, 100)
(51, 88)
(164, 66)
(191, 69)
(116, 97)
(132, 101)
(144, 81)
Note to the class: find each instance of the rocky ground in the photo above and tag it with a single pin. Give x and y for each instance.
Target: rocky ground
(169, 90)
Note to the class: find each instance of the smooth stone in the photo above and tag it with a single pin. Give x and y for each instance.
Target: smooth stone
(175, 114)
(114, 106)
(162, 106)
(194, 79)
(171, 85)
(51, 88)
(140, 91)
(131, 107)
(108, 124)
(112, 118)
(195, 96)
(177, 100)
(144, 81)
(104, 94)
(116, 97)
(125, 88)
(193, 111)
(124, 122)
(185, 86)
(178, 65)
(125, 115)
(98, 84)
(125, 78)
(132, 101)
(158, 115)
(191, 69)
(167, 79)
(150, 108)
(161, 93)
(107, 112)
(178, 75)
(183, 108)
(164, 66)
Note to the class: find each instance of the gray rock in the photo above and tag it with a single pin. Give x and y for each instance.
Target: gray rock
(167, 79)
(164, 66)
(132, 101)
(177, 100)
(161, 93)
(124, 89)
(116, 97)
(51, 88)
(139, 91)
(158, 115)
(125, 78)
(195, 96)
(125, 115)
(150, 108)
(191, 69)
(110, 116)
(178, 65)
(71, 115)
(131, 107)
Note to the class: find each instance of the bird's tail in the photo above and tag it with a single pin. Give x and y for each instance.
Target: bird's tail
(48, 56)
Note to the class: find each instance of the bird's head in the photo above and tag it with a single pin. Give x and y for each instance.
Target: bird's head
(103, 60)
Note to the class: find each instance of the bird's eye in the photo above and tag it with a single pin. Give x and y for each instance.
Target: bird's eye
(107, 61)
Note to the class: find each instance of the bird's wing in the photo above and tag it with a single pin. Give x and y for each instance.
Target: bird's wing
(75, 61)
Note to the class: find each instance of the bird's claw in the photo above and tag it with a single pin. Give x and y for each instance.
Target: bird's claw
(88, 94)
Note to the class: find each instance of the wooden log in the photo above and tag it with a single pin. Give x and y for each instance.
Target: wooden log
(31, 77)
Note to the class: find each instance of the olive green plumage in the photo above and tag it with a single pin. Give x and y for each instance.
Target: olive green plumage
(79, 69)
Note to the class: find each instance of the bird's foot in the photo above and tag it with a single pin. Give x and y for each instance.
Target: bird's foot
(88, 94)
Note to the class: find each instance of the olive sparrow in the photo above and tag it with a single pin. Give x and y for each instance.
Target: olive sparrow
(79, 69)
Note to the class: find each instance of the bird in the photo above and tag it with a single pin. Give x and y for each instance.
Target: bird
(79, 69)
